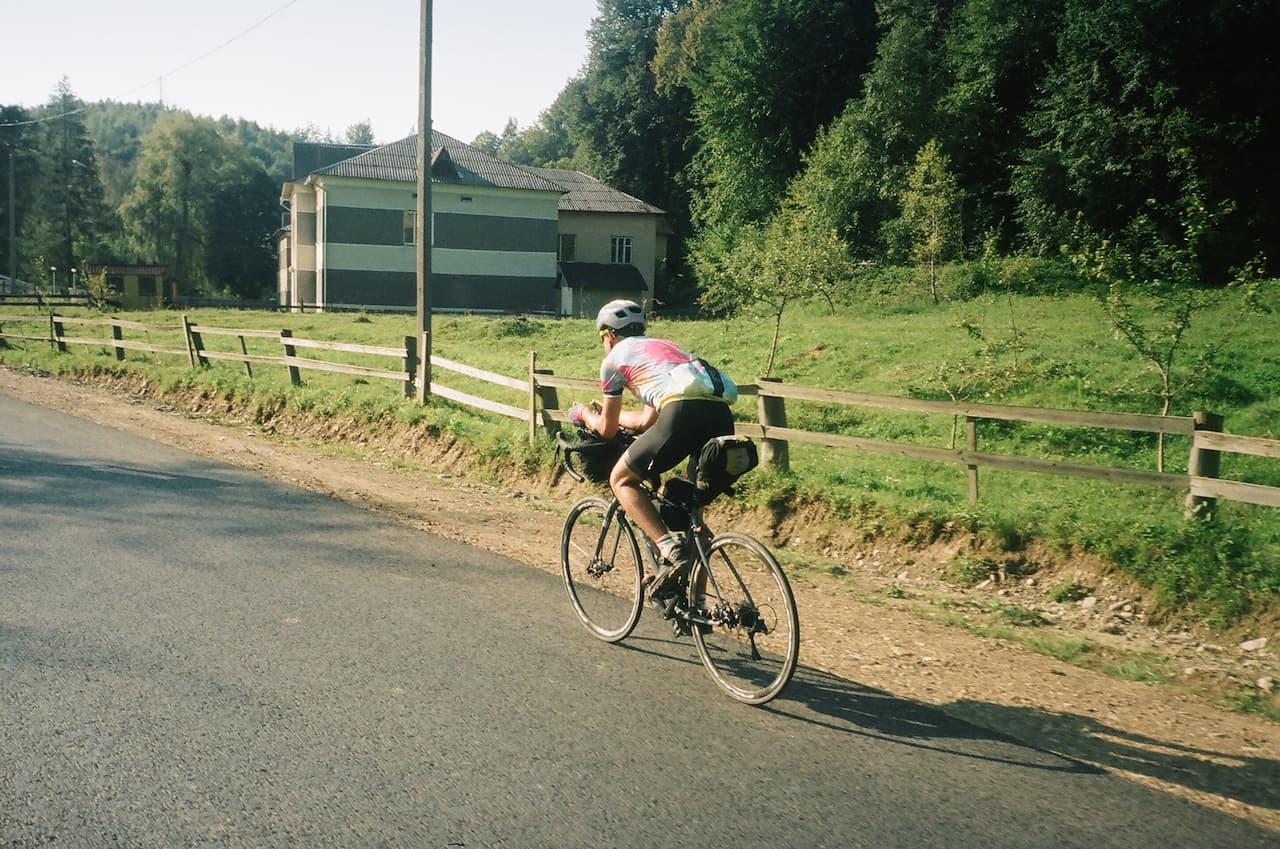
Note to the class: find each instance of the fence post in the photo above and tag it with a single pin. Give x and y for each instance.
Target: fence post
(971, 445)
(117, 335)
(188, 336)
(1203, 462)
(410, 364)
(55, 332)
(295, 376)
(541, 397)
(533, 397)
(248, 366)
(774, 453)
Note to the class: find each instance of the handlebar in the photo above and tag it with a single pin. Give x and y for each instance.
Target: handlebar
(566, 449)
(564, 455)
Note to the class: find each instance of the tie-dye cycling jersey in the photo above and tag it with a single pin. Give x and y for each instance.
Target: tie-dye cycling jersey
(643, 365)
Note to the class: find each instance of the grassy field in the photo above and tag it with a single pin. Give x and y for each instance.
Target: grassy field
(1033, 350)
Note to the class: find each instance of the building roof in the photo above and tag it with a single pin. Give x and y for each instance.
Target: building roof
(309, 157)
(451, 162)
(602, 275)
(584, 193)
(458, 163)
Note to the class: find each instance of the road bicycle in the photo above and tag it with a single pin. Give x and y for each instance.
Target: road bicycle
(735, 601)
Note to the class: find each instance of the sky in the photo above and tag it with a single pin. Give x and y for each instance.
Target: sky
(289, 64)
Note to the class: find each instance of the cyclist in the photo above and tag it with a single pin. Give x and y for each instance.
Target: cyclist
(684, 406)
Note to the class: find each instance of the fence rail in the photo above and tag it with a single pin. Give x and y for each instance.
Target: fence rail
(1201, 482)
(543, 409)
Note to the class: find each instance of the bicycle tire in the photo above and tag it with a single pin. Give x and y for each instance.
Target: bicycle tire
(602, 567)
(752, 645)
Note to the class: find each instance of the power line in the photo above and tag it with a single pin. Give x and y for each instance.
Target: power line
(160, 78)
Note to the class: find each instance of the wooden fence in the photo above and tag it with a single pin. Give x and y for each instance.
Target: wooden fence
(188, 340)
(543, 411)
(1201, 481)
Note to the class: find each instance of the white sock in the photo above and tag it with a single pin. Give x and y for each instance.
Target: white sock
(667, 546)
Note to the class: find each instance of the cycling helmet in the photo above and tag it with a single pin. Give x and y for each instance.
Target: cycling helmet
(619, 315)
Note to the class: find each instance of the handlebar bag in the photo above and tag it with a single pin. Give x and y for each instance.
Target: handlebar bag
(595, 457)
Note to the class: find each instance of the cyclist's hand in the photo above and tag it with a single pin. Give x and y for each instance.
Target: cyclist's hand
(576, 414)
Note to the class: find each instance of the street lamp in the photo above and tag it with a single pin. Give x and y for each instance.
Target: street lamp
(53, 273)
(73, 279)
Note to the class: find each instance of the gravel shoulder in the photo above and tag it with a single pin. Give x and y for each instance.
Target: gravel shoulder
(877, 618)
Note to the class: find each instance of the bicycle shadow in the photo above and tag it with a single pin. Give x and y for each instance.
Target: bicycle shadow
(1248, 779)
(1028, 736)
(826, 701)
(819, 698)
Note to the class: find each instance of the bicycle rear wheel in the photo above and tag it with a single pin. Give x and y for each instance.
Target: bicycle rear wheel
(602, 567)
(752, 644)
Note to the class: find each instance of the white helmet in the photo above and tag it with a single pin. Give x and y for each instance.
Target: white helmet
(618, 314)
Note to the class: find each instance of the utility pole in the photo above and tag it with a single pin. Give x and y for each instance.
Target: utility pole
(13, 241)
(423, 223)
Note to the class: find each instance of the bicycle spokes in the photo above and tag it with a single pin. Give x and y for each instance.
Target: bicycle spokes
(751, 648)
(601, 564)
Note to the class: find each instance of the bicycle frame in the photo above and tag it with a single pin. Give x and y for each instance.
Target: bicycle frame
(698, 535)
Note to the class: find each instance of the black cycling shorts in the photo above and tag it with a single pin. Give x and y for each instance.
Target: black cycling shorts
(681, 430)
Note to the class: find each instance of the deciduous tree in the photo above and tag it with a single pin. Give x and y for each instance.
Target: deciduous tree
(764, 269)
(931, 213)
(1152, 287)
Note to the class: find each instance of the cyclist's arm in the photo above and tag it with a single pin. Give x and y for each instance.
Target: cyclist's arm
(611, 416)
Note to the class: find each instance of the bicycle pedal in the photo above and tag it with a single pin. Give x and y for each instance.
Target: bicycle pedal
(666, 605)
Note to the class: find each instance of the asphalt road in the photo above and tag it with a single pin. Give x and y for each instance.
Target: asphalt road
(191, 655)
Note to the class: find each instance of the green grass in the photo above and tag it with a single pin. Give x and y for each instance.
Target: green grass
(1041, 350)
(1016, 624)
(1251, 702)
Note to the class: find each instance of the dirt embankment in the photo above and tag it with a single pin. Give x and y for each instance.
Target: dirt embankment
(874, 611)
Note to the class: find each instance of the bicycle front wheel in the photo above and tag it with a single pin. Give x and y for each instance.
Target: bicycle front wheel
(745, 623)
(600, 560)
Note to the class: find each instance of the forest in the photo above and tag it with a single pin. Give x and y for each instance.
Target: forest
(796, 146)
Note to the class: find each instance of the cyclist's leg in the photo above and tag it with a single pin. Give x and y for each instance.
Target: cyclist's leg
(682, 428)
(625, 483)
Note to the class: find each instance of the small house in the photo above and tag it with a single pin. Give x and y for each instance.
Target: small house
(135, 287)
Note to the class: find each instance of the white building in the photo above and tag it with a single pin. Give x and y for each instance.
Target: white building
(504, 238)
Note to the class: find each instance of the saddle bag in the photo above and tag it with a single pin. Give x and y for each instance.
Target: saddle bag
(722, 461)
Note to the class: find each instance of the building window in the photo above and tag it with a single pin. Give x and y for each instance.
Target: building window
(620, 249)
(410, 227)
(115, 284)
(568, 244)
